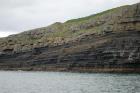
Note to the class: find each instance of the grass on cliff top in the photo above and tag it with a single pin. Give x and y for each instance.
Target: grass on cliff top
(95, 15)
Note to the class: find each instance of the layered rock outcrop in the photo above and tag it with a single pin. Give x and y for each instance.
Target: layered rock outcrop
(106, 42)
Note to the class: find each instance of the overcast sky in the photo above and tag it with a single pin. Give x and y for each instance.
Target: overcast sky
(21, 15)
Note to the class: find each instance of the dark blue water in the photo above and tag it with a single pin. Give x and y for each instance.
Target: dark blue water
(61, 82)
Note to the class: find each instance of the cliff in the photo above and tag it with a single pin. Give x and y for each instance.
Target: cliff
(104, 42)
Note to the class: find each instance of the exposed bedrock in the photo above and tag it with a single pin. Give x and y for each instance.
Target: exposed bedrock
(105, 42)
(121, 50)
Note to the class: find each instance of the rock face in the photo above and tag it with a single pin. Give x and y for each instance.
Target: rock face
(105, 42)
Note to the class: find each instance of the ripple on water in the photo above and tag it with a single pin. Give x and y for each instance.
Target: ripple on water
(62, 82)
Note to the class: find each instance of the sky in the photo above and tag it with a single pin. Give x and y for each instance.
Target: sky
(21, 15)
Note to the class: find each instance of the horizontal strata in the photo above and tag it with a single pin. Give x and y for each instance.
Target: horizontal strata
(105, 42)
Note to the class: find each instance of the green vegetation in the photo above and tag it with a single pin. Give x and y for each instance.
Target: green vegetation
(95, 15)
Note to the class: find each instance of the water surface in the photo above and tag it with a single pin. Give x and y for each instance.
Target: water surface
(62, 82)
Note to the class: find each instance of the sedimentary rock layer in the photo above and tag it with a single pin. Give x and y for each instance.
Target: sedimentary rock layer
(108, 41)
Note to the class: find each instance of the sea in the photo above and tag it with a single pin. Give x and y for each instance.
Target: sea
(68, 82)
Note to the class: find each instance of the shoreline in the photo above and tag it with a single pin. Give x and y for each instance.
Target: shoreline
(79, 70)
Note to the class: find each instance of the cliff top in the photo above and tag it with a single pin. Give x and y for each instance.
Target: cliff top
(113, 20)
